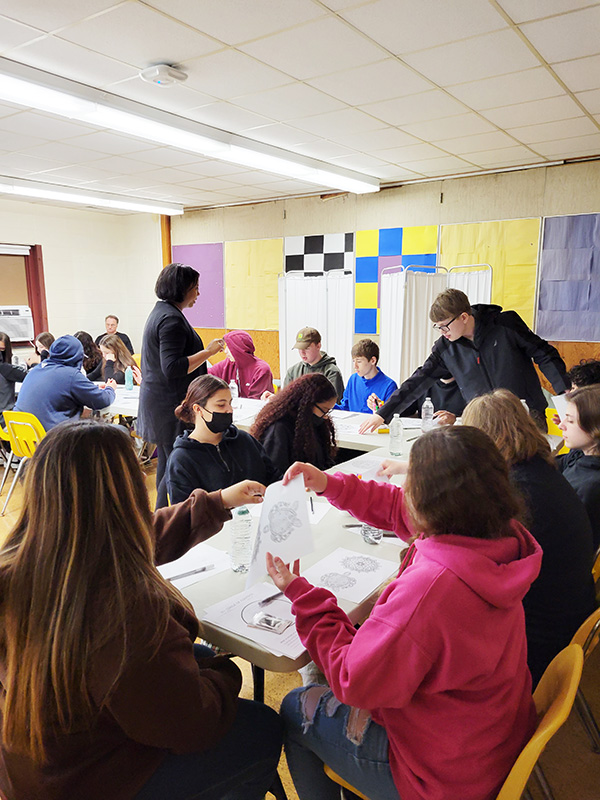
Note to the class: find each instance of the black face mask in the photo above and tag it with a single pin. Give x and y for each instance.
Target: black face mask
(318, 421)
(220, 421)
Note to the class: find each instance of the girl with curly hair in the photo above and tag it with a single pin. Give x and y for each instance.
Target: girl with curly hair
(92, 356)
(295, 424)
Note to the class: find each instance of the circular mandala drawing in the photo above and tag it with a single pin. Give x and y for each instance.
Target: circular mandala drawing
(360, 563)
(337, 580)
(282, 521)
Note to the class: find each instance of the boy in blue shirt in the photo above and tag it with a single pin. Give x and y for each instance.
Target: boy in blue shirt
(367, 379)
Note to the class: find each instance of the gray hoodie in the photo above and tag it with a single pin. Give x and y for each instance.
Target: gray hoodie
(326, 364)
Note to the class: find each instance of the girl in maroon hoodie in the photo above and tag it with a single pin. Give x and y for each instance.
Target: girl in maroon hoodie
(252, 375)
(430, 698)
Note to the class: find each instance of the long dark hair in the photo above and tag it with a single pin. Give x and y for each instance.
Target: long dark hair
(4, 337)
(297, 401)
(458, 483)
(92, 355)
(199, 391)
(76, 573)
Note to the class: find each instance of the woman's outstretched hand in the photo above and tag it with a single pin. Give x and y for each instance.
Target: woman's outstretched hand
(280, 574)
(314, 479)
(242, 494)
(389, 467)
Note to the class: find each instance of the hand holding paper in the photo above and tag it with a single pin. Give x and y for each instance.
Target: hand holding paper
(280, 574)
(314, 479)
(242, 494)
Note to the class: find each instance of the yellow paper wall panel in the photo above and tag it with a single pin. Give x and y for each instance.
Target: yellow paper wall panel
(365, 295)
(251, 294)
(510, 247)
(266, 345)
(367, 243)
(419, 239)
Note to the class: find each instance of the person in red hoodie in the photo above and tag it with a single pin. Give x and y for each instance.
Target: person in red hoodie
(430, 698)
(252, 375)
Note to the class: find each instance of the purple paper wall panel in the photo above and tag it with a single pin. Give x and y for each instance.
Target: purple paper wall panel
(209, 310)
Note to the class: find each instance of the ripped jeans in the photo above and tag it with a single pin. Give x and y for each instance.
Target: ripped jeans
(321, 730)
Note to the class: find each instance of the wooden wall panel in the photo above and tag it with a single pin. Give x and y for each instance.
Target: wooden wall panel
(265, 342)
(572, 353)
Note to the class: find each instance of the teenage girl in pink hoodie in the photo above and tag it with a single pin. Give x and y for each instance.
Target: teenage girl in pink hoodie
(431, 697)
(252, 375)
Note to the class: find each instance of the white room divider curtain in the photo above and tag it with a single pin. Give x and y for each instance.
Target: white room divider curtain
(326, 303)
(391, 320)
(475, 282)
(418, 335)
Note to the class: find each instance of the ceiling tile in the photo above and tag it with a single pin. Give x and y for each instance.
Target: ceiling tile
(393, 172)
(79, 173)
(328, 125)
(323, 150)
(253, 177)
(416, 108)
(565, 148)
(12, 34)
(372, 82)
(211, 168)
(474, 144)
(360, 162)
(29, 122)
(210, 184)
(177, 99)
(164, 175)
(537, 111)
(230, 73)
(72, 61)
(227, 117)
(316, 48)
(440, 166)
(505, 90)
(523, 10)
(484, 158)
(26, 163)
(116, 34)
(591, 100)
(119, 182)
(403, 27)
(435, 129)
(50, 16)
(339, 5)
(580, 74)
(118, 164)
(367, 141)
(232, 21)
(480, 57)
(19, 141)
(415, 152)
(280, 135)
(114, 144)
(62, 151)
(289, 102)
(252, 192)
(567, 36)
(166, 157)
(296, 187)
(547, 131)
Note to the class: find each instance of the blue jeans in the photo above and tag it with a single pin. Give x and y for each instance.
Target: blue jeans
(241, 766)
(320, 730)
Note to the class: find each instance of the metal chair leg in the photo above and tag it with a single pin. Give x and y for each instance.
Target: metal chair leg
(587, 720)
(544, 785)
(6, 470)
(13, 484)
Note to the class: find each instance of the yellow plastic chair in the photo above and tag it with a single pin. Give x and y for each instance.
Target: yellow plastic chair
(25, 432)
(587, 637)
(4, 437)
(137, 357)
(553, 698)
(554, 430)
(596, 567)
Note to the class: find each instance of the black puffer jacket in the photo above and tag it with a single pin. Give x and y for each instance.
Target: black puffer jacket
(500, 356)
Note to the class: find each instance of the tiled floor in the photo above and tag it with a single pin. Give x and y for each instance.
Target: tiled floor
(572, 769)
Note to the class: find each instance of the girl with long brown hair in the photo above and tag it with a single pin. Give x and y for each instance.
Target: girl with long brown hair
(92, 356)
(116, 358)
(431, 696)
(562, 596)
(295, 423)
(103, 696)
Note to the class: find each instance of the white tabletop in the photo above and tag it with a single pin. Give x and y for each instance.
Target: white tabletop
(329, 535)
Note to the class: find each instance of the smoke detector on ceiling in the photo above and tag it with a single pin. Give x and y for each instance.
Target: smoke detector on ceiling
(163, 75)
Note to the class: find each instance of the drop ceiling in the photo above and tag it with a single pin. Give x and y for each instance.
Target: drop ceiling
(396, 89)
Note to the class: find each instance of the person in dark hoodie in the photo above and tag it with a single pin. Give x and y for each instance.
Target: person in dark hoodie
(252, 375)
(581, 467)
(484, 348)
(9, 375)
(215, 454)
(57, 390)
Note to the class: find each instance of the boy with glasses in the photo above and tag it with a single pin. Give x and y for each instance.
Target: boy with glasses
(483, 348)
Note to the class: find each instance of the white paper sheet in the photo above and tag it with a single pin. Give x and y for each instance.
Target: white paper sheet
(234, 614)
(246, 407)
(315, 514)
(560, 404)
(349, 575)
(365, 466)
(338, 413)
(202, 555)
(283, 529)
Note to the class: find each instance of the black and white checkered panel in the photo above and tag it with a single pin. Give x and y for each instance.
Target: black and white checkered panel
(316, 255)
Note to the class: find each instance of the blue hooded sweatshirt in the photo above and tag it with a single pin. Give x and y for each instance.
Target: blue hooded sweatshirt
(56, 390)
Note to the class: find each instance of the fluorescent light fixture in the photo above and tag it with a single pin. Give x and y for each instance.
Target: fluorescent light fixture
(44, 191)
(33, 88)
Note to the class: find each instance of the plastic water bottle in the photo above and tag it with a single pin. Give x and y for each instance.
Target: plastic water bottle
(370, 534)
(240, 547)
(427, 415)
(129, 379)
(396, 436)
(233, 388)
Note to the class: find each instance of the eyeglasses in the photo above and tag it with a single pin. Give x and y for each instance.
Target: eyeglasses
(446, 326)
(325, 412)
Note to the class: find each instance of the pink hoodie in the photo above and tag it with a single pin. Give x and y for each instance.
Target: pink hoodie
(252, 375)
(441, 663)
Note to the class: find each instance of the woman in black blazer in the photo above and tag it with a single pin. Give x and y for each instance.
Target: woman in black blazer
(172, 356)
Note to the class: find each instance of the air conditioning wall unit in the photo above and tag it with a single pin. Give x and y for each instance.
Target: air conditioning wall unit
(17, 322)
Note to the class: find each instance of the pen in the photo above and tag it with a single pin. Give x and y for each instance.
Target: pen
(267, 600)
(192, 572)
(312, 506)
(353, 525)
